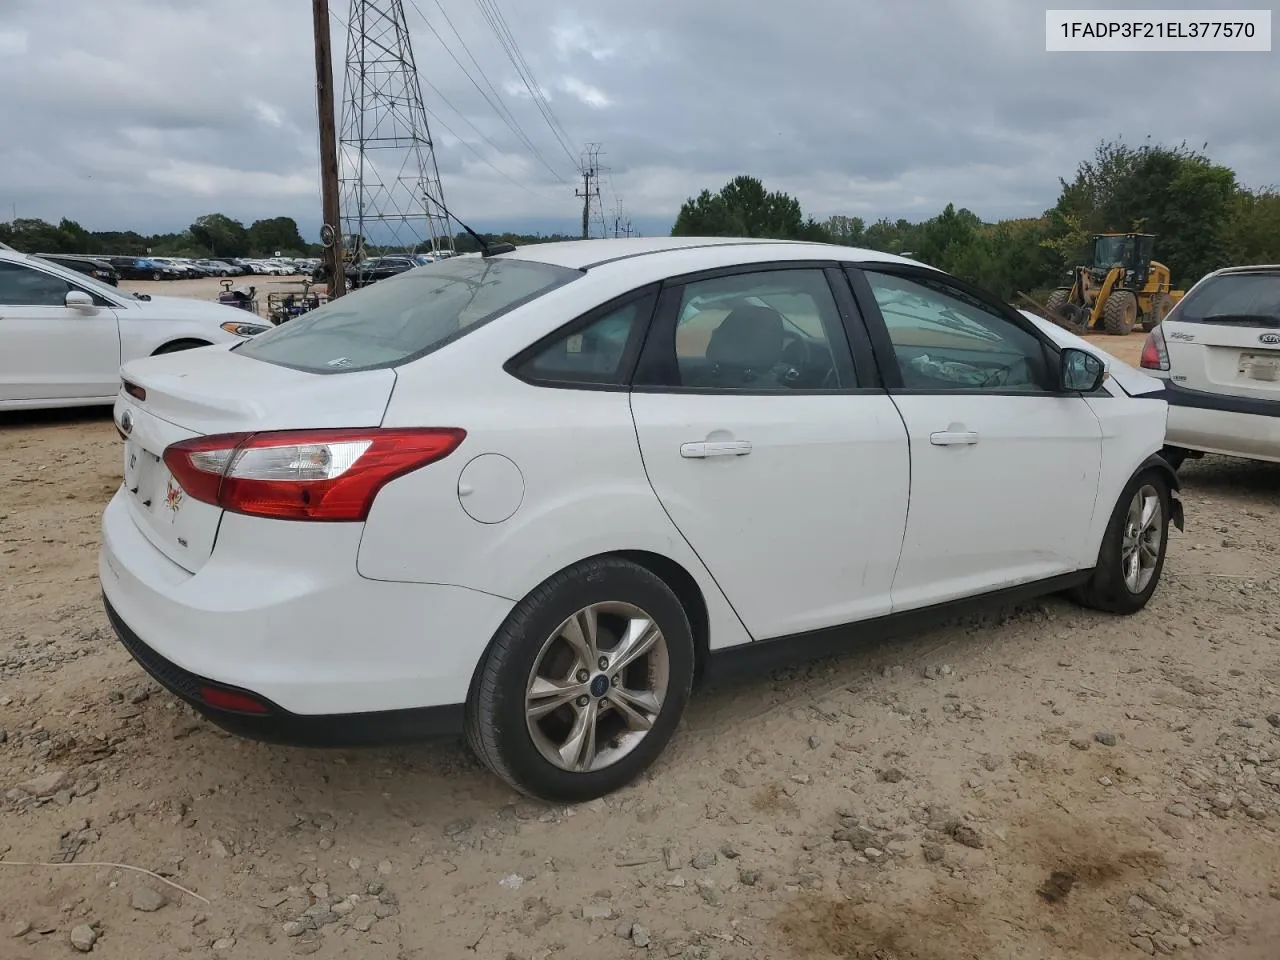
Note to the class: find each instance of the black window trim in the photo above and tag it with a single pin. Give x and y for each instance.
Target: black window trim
(882, 344)
(654, 365)
(630, 353)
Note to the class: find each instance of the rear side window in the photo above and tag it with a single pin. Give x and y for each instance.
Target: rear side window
(1243, 298)
(406, 316)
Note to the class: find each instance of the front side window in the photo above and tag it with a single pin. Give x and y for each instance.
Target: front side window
(405, 316)
(945, 339)
(770, 330)
(21, 286)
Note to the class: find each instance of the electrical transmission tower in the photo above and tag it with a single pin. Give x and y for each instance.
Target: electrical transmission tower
(621, 222)
(391, 190)
(592, 206)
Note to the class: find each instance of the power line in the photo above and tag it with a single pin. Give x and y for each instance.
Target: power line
(493, 16)
(449, 130)
(510, 121)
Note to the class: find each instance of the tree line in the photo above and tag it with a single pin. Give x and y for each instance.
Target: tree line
(213, 235)
(1203, 218)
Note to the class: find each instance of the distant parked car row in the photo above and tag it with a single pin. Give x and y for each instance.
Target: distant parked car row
(112, 269)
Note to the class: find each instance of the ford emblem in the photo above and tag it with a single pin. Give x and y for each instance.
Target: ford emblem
(126, 421)
(1270, 338)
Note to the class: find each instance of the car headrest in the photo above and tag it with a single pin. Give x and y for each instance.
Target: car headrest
(750, 336)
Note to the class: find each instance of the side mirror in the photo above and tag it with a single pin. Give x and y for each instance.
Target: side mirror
(1081, 371)
(80, 300)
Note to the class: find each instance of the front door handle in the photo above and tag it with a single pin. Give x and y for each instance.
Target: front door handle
(952, 438)
(723, 448)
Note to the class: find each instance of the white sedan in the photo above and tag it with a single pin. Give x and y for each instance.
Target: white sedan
(1218, 350)
(63, 336)
(538, 495)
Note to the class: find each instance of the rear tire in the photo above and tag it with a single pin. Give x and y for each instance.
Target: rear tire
(1161, 304)
(530, 706)
(1120, 313)
(1133, 548)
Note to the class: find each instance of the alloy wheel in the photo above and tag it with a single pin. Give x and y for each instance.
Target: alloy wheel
(597, 686)
(1142, 539)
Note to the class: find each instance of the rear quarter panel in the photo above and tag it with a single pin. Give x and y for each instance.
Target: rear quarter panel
(583, 492)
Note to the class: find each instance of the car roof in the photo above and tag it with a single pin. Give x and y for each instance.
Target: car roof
(1250, 268)
(589, 254)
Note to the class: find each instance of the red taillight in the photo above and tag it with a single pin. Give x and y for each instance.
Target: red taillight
(1155, 355)
(224, 699)
(304, 474)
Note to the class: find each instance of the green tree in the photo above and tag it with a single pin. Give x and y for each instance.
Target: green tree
(276, 234)
(743, 208)
(220, 236)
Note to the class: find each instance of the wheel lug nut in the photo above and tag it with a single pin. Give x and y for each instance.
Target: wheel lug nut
(617, 679)
(583, 676)
(583, 701)
(603, 663)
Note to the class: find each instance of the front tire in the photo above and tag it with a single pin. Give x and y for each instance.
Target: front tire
(584, 683)
(1120, 313)
(1133, 548)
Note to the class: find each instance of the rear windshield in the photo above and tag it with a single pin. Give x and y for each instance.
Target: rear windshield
(1234, 298)
(405, 316)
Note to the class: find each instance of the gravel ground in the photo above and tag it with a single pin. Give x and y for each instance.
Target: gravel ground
(1041, 782)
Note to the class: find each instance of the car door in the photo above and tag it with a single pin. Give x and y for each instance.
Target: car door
(1004, 467)
(776, 454)
(51, 351)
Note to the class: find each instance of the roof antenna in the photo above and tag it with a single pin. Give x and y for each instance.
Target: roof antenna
(486, 249)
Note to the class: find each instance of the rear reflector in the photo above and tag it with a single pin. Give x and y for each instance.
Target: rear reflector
(222, 699)
(304, 474)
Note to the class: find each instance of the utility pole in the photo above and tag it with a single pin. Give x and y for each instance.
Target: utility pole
(331, 232)
(590, 186)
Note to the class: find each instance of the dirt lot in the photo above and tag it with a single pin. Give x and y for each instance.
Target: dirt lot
(1043, 782)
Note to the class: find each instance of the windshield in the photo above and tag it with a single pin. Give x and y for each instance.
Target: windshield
(1110, 250)
(1238, 295)
(405, 316)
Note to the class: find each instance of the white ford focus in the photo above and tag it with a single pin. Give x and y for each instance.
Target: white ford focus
(538, 495)
(63, 335)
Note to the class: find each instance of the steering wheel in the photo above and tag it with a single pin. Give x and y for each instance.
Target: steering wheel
(1000, 376)
(792, 369)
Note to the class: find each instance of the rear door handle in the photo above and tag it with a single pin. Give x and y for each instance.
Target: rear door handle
(952, 438)
(723, 448)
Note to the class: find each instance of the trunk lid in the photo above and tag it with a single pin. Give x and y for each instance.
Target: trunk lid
(209, 391)
(1241, 360)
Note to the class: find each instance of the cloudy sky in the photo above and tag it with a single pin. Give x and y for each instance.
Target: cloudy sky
(145, 114)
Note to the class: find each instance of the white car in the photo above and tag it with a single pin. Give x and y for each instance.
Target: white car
(537, 495)
(63, 336)
(1218, 351)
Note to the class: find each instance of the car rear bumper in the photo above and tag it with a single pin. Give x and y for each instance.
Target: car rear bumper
(331, 656)
(274, 724)
(1228, 425)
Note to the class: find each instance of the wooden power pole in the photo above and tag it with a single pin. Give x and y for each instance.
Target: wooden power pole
(328, 149)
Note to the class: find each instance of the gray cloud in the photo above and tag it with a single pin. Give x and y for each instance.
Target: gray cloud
(147, 113)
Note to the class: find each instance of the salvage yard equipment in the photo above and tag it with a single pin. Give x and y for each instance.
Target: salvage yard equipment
(287, 305)
(1121, 288)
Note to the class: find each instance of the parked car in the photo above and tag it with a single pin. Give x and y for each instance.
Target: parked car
(1218, 352)
(380, 268)
(537, 495)
(100, 270)
(65, 335)
(183, 269)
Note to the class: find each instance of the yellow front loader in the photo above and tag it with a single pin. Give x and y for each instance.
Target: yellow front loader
(1121, 289)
